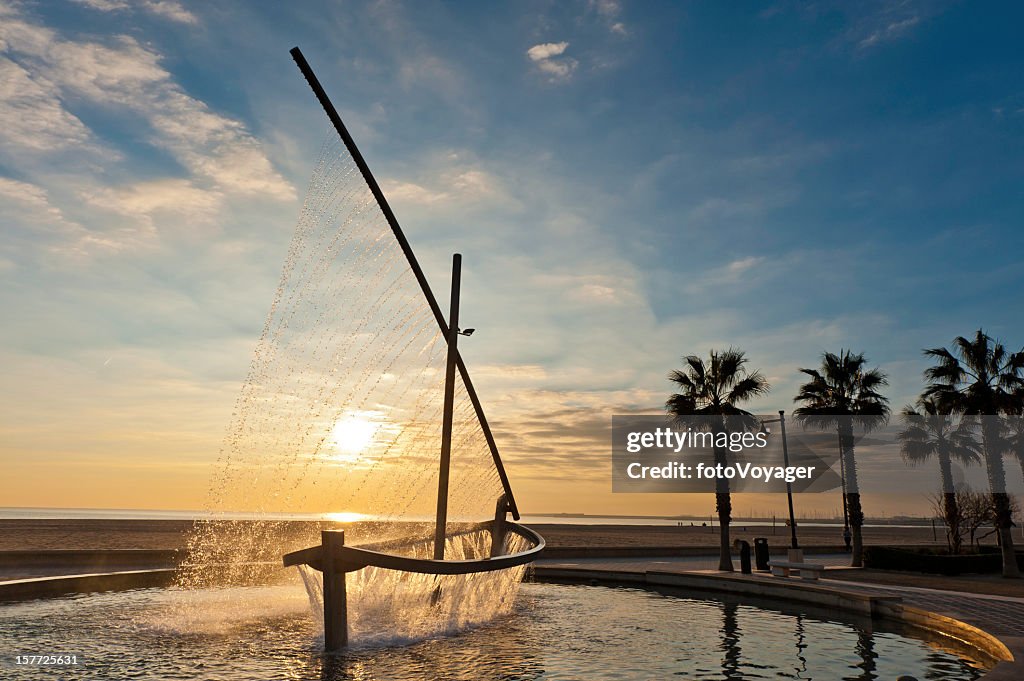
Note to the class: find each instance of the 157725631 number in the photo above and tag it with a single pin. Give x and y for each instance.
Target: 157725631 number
(46, 659)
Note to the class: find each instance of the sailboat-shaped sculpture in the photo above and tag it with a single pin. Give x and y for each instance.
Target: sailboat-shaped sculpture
(332, 557)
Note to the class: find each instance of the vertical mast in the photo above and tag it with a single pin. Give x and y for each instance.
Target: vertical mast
(449, 406)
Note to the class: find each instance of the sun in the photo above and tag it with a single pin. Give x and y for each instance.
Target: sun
(345, 517)
(353, 434)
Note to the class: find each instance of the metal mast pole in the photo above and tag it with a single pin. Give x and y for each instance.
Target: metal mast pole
(392, 221)
(449, 405)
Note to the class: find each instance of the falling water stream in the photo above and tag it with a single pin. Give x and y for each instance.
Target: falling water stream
(341, 414)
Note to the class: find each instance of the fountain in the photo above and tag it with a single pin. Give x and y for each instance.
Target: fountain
(332, 557)
(348, 347)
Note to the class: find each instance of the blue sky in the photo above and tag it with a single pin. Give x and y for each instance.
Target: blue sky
(628, 183)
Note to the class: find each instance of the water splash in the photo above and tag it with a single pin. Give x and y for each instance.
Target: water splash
(388, 607)
(220, 611)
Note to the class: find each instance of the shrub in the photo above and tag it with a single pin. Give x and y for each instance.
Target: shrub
(930, 561)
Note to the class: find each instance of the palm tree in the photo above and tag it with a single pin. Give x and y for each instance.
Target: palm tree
(980, 378)
(1015, 427)
(1016, 436)
(934, 434)
(840, 395)
(713, 390)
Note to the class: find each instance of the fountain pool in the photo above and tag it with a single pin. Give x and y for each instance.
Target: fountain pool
(553, 631)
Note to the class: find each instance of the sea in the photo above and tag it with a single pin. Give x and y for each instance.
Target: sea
(26, 513)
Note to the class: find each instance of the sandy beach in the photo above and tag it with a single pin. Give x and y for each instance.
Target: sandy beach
(164, 535)
(79, 534)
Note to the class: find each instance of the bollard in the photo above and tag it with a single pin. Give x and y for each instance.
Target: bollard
(335, 598)
(761, 554)
(745, 557)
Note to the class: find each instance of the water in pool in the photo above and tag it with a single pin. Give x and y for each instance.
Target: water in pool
(554, 632)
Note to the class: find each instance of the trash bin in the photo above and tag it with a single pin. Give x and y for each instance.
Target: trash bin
(761, 555)
(744, 557)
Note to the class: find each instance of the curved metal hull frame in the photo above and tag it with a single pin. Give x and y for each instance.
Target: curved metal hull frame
(335, 560)
(352, 558)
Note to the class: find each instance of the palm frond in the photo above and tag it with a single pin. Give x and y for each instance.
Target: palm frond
(714, 386)
(977, 376)
(754, 385)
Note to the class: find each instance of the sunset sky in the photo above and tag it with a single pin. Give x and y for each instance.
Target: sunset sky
(628, 183)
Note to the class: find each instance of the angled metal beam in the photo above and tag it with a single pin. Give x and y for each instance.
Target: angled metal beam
(389, 215)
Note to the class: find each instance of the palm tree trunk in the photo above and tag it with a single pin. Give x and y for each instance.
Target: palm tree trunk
(952, 518)
(1004, 523)
(856, 522)
(852, 495)
(950, 512)
(1000, 500)
(723, 504)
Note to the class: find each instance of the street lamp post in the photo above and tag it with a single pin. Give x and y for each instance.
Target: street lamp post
(842, 477)
(789, 486)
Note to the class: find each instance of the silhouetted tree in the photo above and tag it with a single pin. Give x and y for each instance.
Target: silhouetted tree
(713, 390)
(932, 434)
(843, 394)
(978, 377)
(1015, 434)
(975, 510)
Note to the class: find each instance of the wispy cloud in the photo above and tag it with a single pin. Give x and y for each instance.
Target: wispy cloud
(550, 59)
(32, 116)
(596, 290)
(126, 74)
(167, 9)
(147, 201)
(429, 70)
(741, 271)
(889, 32)
(878, 24)
(715, 209)
(452, 181)
(29, 197)
(45, 74)
(32, 216)
(609, 11)
(546, 51)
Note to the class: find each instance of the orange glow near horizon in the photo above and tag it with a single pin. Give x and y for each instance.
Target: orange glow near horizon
(345, 517)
